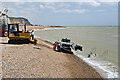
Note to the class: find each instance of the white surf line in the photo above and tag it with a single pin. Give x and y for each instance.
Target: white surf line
(47, 29)
(98, 66)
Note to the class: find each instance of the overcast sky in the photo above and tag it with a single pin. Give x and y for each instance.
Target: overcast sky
(65, 13)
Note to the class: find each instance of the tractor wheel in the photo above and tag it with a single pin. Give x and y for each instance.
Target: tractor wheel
(9, 42)
(26, 41)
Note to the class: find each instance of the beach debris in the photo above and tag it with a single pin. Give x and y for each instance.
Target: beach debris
(37, 47)
(66, 46)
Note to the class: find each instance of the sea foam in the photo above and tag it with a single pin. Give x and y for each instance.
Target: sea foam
(108, 73)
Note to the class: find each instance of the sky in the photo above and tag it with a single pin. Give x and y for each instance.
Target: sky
(93, 13)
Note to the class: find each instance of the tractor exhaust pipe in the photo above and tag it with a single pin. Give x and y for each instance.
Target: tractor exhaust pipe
(25, 27)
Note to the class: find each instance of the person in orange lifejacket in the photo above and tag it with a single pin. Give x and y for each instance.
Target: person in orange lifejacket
(56, 46)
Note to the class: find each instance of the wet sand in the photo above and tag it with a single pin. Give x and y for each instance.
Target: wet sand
(40, 61)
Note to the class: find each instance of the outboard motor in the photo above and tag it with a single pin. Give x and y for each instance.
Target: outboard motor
(77, 47)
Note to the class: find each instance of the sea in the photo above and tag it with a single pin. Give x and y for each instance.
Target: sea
(100, 42)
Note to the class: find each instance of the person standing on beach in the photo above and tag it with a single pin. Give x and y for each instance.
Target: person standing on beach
(32, 34)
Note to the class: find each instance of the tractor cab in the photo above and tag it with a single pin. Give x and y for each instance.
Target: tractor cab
(17, 36)
(13, 28)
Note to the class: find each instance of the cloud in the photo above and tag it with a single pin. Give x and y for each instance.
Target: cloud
(95, 3)
(21, 9)
(100, 10)
(41, 6)
(58, 0)
(108, 0)
(62, 7)
(71, 11)
(50, 5)
(45, 10)
(24, 8)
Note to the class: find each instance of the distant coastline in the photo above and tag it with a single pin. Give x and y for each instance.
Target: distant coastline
(58, 26)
